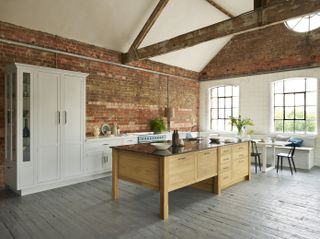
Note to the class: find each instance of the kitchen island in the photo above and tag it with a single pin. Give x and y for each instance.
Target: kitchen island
(211, 167)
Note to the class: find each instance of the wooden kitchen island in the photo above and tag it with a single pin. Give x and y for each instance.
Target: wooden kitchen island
(210, 167)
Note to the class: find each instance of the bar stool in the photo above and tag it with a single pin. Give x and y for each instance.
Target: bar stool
(255, 153)
(289, 156)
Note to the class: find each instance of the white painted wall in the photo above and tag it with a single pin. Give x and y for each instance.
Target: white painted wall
(256, 100)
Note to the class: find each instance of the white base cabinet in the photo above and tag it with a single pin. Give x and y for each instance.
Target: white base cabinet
(45, 127)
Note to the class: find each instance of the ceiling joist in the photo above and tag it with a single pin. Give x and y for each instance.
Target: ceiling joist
(259, 18)
(220, 8)
(147, 26)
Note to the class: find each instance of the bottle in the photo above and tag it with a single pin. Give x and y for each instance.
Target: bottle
(177, 143)
(26, 131)
(115, 129)
(175, 138)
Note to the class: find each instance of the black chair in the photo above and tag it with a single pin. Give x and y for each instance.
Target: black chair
(255, 153)
(289, 156)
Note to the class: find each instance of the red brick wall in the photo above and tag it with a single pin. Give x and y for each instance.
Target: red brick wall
(271, 49)
(130, 95)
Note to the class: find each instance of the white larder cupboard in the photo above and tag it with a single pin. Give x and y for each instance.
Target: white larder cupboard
(45, 128)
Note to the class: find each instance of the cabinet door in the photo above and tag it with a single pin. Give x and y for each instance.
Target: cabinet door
(95, 160)
(207, 164)
(48, 130)
(182, 170)
(72, 125)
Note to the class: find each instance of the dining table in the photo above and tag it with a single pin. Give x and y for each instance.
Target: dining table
(267, 144)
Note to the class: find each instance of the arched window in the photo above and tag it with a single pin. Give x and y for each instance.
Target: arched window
(304, 24)
(224, 103)
(295, 105)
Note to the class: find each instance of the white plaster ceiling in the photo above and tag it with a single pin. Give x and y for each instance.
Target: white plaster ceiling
(114, 24)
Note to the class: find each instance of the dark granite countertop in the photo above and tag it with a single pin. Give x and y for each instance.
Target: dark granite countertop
(189, 146)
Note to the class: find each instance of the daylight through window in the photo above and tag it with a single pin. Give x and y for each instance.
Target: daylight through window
(224, 103)
(295, 105)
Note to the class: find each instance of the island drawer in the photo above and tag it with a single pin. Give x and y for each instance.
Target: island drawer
(240, 147)
(207, 165)
(225, 158)
(240, 155)
(226, 167)
(225, 179)
(225, 150)
(182, 170)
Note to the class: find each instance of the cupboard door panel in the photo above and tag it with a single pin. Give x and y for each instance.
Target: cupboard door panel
(48, 104)
(207, 164)
(72, 125)
(182, 171)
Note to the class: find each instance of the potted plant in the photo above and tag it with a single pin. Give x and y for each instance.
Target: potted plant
(157, 125)
(241, 123)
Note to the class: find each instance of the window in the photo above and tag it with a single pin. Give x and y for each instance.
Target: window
(295, 105)
(224, 103)
(304, 24)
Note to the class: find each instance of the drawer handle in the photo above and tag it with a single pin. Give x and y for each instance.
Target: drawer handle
(241, 155)
(241, 148)
(225, 159)
(226, 177)
(182, 158)
(207, 153)
(106, 144)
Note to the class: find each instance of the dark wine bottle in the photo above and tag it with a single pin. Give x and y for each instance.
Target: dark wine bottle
(26, 131)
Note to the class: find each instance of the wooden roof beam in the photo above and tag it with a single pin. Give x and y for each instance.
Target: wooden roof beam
(147, 26)
(220, 8)
(259, 18)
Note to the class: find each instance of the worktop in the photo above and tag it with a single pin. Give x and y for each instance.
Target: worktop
(210, 167)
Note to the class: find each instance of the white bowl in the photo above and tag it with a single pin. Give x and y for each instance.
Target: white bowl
(161, 146)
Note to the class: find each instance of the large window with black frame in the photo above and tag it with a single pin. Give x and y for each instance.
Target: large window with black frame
(224, 103)
(295, 105)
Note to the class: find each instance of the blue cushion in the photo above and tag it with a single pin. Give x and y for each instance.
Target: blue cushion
(295, 142)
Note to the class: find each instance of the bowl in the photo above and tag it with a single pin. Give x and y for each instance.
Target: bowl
(161, 146)
(214, 140)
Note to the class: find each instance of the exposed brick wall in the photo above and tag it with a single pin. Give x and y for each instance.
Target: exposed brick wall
(271, 49)
(131, 96)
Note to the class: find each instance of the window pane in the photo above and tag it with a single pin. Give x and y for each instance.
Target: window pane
(228, 91)
(236, 102)
(299, 99)
(278, 113)
(289, 112)
(214, 124)
(300, 126)
(278, 100)
(214, 113)
(296, 85)
(299, 112)
(221, 91)
(311, 126)
(214, 103)
(228, 113)
(278, 87)
(221, 102)
(278, 125)
(311, 112)
(289, 100)
(311, 84)
(311, 98)
(236, 91)
(221, 113)
(235, 112)
(214, 92)
(289, 126)
(221, 125)
(228, 102)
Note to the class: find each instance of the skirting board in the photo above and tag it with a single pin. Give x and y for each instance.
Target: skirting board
(62, 183)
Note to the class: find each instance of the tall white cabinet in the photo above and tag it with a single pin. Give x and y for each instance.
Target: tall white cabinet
(45, 128)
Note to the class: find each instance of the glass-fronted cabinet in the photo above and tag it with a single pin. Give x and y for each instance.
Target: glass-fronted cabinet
(18, 163)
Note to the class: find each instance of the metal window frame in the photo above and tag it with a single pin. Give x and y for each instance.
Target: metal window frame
(224, 107)
(294, 119)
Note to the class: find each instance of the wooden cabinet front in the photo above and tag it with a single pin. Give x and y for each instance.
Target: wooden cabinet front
(182, 170)
(207, 164)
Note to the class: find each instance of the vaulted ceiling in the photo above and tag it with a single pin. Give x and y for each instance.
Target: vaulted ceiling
(114, 24)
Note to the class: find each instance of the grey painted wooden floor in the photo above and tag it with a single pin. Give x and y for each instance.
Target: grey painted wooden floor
(269, 206)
